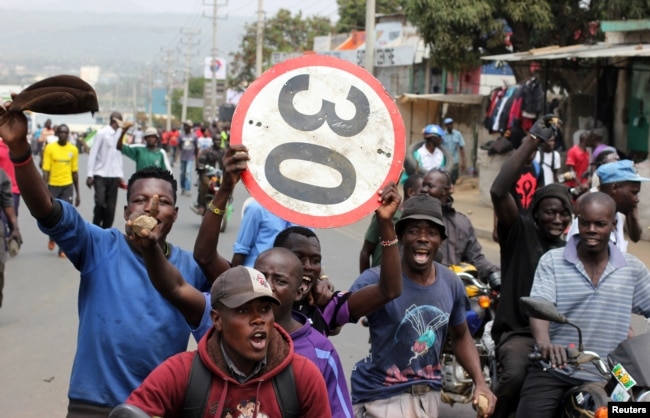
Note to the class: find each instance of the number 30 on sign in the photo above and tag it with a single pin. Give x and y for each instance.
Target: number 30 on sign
(323, 137)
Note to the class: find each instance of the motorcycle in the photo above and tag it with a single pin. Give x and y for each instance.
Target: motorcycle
(214, 175)
(457, 385)
(625, 375)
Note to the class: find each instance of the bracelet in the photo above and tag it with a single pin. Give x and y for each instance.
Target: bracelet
(389, 243)
(20, 161)
(212, 208)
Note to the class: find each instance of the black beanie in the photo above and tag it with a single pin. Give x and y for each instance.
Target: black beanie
(556, 190)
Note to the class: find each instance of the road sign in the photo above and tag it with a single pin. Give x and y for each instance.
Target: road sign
(323, 137)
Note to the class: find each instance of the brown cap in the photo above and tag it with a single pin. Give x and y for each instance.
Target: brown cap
(239, 285)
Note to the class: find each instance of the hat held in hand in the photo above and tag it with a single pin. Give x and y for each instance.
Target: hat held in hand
(545, 127)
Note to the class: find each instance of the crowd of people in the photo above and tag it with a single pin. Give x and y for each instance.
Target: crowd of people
(263, 317)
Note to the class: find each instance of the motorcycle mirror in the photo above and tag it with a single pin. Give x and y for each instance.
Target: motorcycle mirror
(127, 411)
(541, 309)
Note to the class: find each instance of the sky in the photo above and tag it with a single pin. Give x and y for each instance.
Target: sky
(326, 8)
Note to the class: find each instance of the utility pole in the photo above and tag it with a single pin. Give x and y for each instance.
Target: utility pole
(188, 46)
(213, 58)
(135, 101)
(370, 36)
(150, 110)
(170, 79)
(260, 38)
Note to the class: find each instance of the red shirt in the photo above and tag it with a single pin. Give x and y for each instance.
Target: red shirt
(579, 160)
(8, 167)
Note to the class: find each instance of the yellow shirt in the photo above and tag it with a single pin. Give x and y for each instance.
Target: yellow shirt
(60, 162)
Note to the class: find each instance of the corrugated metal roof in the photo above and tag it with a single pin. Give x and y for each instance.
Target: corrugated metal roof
(472, 99)
(599, 50)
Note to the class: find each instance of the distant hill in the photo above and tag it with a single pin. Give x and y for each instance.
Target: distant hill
(116, 40)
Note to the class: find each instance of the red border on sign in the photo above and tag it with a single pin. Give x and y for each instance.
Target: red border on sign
(236, 132)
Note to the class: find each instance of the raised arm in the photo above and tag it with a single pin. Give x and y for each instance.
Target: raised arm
(505, 207)
(120, 141)
(206, 251)
(370, 298)
(13, 130)
(504, 204)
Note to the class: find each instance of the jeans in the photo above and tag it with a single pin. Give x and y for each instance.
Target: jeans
(186, 175)
(105, 200)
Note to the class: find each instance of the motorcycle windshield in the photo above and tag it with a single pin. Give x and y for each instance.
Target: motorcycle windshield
(634, 356)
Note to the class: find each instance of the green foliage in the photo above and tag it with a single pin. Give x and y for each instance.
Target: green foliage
(460, 31)
(283, 32)
(352, 13)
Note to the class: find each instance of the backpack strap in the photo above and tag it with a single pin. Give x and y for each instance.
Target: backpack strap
(197, 390)
(284, 385)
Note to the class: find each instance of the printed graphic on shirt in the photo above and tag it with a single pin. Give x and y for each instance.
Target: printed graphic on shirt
(525, 188)
(422, 330)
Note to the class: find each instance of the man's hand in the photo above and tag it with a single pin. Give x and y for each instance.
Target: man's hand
(144, 238)
(15, 233)
(545, 127)
(234, 162)
(390, 201)
(13, 128)
(77, 201)
(556, 354)
(322, 292)
(89, 182)
(484, 400)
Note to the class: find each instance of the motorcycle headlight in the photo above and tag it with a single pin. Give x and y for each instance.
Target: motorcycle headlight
(484, 301)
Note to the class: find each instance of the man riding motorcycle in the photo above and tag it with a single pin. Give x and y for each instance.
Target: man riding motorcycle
(208, 158)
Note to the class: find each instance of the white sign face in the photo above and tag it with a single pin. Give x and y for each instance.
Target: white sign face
(323, 137)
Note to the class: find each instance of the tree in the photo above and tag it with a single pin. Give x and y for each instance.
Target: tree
(459, 32)
(283, 32)
(352, 13)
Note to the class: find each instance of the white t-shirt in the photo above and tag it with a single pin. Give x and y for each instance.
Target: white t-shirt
(429, 160)
(551, 162)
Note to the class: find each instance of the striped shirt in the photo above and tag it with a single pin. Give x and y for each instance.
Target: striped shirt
(602, 312)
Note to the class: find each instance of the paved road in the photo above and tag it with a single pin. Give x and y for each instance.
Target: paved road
(38, 321)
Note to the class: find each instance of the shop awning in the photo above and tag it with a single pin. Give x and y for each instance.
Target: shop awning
(599, 50)
(470, 99)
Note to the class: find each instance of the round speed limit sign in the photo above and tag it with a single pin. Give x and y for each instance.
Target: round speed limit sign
(323, 137)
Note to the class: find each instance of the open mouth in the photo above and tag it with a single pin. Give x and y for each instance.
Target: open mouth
(258, 340)
(421, 256)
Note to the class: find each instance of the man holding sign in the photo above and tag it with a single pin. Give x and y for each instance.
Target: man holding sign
(402, 376)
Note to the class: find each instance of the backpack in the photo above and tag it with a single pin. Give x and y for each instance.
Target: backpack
(198, 389)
